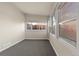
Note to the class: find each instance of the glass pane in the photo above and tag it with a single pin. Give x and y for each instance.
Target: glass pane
(39, 26)
(67, 22)
(36, 26)
(54, 24)
(68, 30)
(29, 26)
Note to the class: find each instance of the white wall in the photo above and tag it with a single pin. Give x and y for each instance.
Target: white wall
(35, 18)
(62, 47)
(11, 25)
(35, 34)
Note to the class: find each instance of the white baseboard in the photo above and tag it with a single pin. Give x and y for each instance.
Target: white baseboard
(36, 38)
(10, 45)
(54, 48)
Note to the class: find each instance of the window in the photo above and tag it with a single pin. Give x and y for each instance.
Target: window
(67, 22)
(29, 26)
(67, 29)
(50, 26)
(36, 26)
(54, 24)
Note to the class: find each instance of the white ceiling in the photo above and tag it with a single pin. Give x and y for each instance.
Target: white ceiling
(35, 8)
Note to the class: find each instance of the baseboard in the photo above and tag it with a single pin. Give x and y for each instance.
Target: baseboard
(36, 38)
(54, 48)
(10, 45)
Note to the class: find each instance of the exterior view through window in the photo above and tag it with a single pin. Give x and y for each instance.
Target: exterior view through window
(54, 24)
(36, 26)
(68, 30)
(67, 22)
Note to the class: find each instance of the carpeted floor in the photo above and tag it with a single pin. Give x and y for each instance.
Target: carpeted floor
(30, 48)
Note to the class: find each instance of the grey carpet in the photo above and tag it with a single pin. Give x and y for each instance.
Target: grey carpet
(30, 48)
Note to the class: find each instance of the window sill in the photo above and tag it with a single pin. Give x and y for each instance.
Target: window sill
(70, 42)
